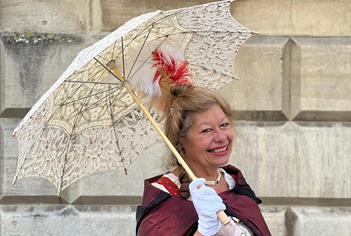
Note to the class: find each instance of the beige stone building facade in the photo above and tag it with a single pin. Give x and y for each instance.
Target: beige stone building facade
(292, 106)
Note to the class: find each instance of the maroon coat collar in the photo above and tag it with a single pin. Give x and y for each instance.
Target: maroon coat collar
(150, 192)
(241, 202)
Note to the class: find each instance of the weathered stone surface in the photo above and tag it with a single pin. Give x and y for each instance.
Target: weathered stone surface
(274, 217)
(92, 220)
(321, 82)
(282, 17)
(67, 220)
(29, 69)
(295, 161)
(319, 221)
(115, 13)
(120, 220)
(262, 85)
(44, 16)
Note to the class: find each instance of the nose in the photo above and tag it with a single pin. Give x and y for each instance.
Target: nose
(219, 136)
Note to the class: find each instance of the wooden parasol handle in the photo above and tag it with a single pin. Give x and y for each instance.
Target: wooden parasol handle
(222, 216)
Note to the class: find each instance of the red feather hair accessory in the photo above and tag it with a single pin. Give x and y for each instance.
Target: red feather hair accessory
(165, 69)
(177, 72)
(171, 70)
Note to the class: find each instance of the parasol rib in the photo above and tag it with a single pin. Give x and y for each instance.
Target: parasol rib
(114, 129)
(83, 104)
(64, 164)
(142, 46)
(146, 59)
(91, 95)
(123, 65)
(93, 105)
(89, 82)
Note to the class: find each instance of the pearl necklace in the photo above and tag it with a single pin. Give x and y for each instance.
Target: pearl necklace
(214, 182)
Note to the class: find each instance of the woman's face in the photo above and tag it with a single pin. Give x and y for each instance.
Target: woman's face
(208, 142)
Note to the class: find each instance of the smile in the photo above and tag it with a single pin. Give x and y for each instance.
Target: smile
(217, 150)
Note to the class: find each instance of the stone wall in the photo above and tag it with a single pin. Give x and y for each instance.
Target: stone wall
(292, 105)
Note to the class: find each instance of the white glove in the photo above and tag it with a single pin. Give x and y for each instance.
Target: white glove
(207, 203)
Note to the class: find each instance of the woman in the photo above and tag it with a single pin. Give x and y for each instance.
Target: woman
(199, 125)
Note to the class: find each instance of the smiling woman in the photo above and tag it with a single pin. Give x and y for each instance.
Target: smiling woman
(199, 125)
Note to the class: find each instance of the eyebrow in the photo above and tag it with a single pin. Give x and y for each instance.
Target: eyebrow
(206, 123)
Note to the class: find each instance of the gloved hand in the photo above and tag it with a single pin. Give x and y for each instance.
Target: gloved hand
(207, 203)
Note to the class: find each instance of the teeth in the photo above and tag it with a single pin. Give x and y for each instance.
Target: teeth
(218, 150)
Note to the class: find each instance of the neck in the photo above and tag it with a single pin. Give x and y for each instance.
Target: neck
(208, 173)
(216, 181)
(210, 179)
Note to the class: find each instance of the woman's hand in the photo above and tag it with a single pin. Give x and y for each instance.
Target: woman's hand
(207, 203)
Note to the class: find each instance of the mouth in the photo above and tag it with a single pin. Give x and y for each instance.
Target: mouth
(218, 149)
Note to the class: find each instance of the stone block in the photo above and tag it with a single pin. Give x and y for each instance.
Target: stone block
(25, 189)
(320, 79)
(293, 161)
(67, 220)
(281, 17)
(275, 219)
(44, 16)
(261, 93)
(116, 13)
(31, 64)
(319, 221)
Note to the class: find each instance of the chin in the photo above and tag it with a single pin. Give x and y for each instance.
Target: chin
(223, 162)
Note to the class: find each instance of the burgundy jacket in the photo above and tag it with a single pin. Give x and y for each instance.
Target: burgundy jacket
(163, 214)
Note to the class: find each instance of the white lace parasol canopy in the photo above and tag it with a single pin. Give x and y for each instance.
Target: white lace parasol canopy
(88, 122)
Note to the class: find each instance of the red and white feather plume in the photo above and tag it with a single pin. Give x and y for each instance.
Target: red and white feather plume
(166, 67)
(169, 68)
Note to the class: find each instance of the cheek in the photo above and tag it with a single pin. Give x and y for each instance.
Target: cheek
(196, 145)
(230, 135)
(188, 146)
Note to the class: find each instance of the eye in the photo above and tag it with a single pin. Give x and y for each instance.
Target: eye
(225, 125)
(207, 130)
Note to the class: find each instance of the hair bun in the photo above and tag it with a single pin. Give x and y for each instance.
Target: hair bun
(177, 91)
